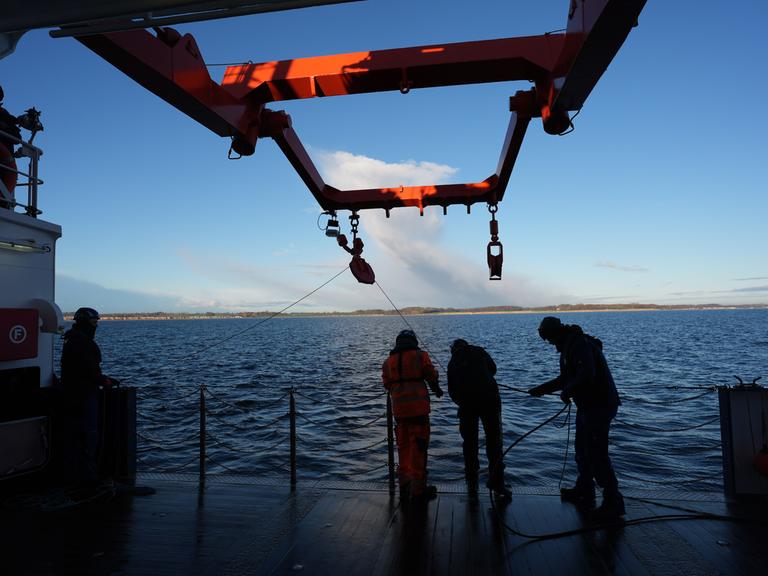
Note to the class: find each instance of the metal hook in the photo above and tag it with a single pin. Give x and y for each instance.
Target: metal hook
(354, 220)
(495, 251)
(231, 149)
(405, 84)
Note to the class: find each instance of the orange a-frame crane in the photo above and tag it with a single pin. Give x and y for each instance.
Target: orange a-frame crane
(563, 68)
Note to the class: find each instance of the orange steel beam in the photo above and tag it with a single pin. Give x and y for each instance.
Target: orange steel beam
(527, 58)
(491, 190)
(563, 67)
(171, 66)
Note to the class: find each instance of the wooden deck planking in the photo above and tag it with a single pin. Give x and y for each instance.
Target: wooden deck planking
(728, 547)
(244, 529)
(334, 533)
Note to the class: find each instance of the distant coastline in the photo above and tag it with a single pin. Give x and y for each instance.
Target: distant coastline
(422, 310)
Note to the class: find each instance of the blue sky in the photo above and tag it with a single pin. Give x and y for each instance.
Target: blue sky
(658, 196)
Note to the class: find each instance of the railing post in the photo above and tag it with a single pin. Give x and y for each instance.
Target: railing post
(32, 190)
(202, 435)
(390, 447)
(292, 414)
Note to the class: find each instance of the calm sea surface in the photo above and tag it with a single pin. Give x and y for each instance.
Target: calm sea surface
(334, 364)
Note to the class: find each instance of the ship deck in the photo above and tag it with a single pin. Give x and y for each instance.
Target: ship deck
(244, 526)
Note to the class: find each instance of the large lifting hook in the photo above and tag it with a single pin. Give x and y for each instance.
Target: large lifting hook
(495, 249)
(361, 270)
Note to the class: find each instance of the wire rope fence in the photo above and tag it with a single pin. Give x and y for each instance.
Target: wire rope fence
(232, 435)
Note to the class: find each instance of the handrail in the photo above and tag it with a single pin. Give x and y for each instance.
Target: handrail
(26, 150)
(290, 435)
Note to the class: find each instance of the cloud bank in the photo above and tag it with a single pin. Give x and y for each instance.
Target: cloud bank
(408, 253)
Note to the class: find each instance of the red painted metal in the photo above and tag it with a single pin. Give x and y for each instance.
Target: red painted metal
(18, 333)
(489, 190)
(563, 67)
(527, 58)
(171, 66)
(361, 270)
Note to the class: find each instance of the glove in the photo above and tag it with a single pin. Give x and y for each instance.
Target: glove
(564, 397)
(438, 392)
(536, 392)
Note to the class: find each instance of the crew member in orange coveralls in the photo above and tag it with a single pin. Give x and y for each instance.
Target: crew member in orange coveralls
(405, 373)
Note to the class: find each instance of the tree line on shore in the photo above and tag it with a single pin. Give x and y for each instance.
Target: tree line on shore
(415, 310)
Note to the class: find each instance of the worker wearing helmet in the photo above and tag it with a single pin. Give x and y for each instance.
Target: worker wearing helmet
(81, 379)
(585, 377)
(406, 374)
(473, 388)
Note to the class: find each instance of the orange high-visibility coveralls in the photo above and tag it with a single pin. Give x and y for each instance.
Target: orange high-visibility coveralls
(404, 374)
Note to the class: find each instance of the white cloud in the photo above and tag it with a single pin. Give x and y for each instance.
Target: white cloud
(407, 252)
(411, 262)
(349, 171)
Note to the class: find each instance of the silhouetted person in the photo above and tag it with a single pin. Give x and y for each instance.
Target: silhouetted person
(81, 379)
(8, 125)
(473, 388)
(406, 374)
(585, 377)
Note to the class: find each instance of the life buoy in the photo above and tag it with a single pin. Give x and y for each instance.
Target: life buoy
(9, 177)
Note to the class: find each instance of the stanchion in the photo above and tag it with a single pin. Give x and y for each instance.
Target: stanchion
(202, 436)
(390, 448)
(292, 413)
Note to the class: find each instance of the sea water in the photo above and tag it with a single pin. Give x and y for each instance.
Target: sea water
(662, 362)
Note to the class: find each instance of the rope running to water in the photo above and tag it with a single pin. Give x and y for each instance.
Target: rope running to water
(567, 444)
(267, 319)
(432, 356)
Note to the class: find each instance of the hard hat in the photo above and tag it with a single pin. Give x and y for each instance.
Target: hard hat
(458, 343)
(407, 335)
(86, 314)
(550, 327)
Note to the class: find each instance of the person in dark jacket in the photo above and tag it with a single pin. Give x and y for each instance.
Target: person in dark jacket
(585, 377)
(81, 379)
(406, 373)
(9, 125)
(473, 388)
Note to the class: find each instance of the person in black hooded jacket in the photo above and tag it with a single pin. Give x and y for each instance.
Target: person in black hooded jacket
(81, 379)
(473, 388)
(585, 377)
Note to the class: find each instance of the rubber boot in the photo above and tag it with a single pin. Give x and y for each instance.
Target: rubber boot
(405, 492)
(501, 491)
(611, 509)
(578, 495)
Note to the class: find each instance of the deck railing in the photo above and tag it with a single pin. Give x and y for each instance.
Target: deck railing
(267, 435)
(29, 179)
(205, 438)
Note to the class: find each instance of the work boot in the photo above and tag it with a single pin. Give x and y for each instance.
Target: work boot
(502, 493)
(500, 490)
(578, 495)
(611, 509)
(405, 492)
(429, 493)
